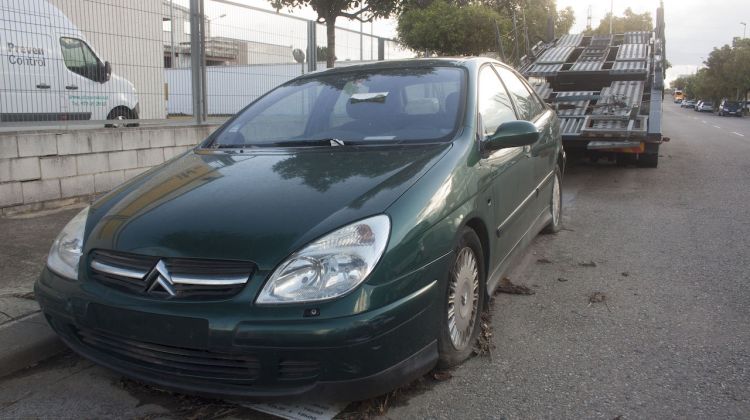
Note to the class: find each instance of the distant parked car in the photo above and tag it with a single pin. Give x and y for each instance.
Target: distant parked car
(730, 108)
(688, 103)
(697, 106)
(705, 106)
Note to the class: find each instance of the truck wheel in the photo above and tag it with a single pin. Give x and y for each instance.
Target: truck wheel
(624, 159)
(464, 299)
(555, 224)
(648, 160)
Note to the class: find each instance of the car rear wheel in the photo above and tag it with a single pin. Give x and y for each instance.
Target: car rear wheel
(464, 300)
(555, 224)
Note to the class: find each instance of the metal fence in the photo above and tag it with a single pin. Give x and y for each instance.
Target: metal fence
(93, 62)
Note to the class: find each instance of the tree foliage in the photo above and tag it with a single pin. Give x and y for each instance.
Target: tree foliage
(466, 27)
(629, 22)
(535, 13)
(448, 29)
(329, 10)
(726, 74)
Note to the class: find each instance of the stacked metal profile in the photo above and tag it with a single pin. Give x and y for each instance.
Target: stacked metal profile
(613, 71)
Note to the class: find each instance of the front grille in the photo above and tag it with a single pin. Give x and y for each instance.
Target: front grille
(295, 370)
(230, 368)
(170, 278)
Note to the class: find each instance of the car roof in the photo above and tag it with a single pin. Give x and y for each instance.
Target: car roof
(466, 62)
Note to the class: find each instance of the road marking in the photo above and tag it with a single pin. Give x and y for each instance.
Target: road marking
(703, 121)
(716, 126)
(741, 135)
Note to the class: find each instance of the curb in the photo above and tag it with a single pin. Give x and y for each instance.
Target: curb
(26, 341)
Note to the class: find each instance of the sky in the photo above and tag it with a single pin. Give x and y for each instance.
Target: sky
(693, 27)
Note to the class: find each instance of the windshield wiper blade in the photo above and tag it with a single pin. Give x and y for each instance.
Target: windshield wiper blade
(333, 142)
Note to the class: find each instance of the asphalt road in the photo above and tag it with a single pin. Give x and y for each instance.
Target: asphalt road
(667, 250)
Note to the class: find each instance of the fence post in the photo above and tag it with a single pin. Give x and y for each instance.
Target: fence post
(197, 63)
(381, 49)
(312, 46)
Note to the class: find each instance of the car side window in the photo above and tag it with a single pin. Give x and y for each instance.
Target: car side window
(79, 58)
(494, 103)
(526, 102)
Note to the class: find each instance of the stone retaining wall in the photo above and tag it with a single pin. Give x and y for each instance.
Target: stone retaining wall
(45, 170)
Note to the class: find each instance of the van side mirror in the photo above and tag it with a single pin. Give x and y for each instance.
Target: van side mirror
(512, 134)
(106, 72)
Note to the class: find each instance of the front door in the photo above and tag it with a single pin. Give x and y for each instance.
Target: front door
(509, 167)
(84, 96)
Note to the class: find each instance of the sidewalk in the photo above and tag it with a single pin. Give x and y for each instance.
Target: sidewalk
(25, 337)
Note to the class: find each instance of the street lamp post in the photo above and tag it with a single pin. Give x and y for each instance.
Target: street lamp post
(211, 20)
(744, 29)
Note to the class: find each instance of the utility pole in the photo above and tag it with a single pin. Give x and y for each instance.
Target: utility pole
(197, 60)
(588, 20)
(611, 14)
(526, 32)
(361, 39)
(172, 26)
(515, 36)
(744, 29)
(499, 42)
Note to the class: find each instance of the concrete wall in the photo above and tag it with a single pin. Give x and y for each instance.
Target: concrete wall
(43, 170)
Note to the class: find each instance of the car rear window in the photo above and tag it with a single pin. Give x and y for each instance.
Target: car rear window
(360, 106)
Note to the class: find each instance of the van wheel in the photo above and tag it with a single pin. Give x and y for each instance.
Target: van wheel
(463, 303)
(120, 114)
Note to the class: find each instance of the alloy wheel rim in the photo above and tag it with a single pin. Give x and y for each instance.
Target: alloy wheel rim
(556, 201)
(463, 298)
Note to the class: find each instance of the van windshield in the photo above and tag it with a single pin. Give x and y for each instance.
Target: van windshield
(357, 107)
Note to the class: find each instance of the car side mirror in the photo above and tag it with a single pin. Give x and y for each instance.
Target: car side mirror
(106, 72)
(512, 134)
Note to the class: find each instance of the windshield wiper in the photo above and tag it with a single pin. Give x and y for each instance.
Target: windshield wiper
(330, 141)
(333, 142)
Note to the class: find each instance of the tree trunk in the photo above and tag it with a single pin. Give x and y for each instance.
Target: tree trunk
(331, 41)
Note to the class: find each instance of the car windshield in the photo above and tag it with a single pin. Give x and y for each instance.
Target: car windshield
(357, 107)
(733, 104)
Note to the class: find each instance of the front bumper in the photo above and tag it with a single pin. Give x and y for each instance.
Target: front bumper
(200, 351)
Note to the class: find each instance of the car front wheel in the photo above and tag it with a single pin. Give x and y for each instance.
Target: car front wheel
(463, 301)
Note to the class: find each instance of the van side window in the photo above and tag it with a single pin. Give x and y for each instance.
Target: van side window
(79, 58)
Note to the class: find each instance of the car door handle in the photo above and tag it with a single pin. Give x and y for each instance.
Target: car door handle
(71, 87)
(42, 86)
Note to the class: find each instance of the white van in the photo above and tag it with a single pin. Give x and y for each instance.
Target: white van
(50, 72)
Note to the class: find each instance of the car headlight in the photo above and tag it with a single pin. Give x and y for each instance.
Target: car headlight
(330, 266)
(68, 246)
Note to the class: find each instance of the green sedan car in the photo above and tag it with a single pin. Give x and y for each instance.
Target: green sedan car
(337, 238)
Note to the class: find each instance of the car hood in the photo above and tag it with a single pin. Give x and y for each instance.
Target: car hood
(259, 206)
